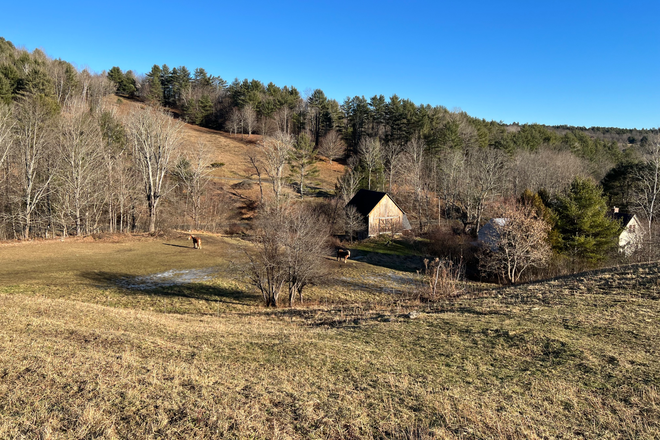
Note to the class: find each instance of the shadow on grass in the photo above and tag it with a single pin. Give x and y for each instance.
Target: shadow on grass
(404, 263)
(171, 286)
(179, 246)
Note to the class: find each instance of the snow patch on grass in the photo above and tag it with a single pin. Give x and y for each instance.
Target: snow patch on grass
(174, 277)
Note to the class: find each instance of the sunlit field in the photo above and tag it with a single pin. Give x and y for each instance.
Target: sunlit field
(148, 338)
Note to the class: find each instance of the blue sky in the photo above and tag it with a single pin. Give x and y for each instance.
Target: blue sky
(590, 63)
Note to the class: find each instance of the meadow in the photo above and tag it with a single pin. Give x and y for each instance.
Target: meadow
(145, 337)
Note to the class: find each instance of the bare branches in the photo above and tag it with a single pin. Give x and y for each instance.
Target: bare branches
(332, 146)
(514, 242)
(155, 138)
(249, 118)
(349, 183)
(7, 123)
(276, 151)
(355, 222)
(290, 244)
(78, 145)
(370, 154)
(33, 136)
(193, 170)
(647, 187)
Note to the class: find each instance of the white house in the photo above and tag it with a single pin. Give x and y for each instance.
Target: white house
(630, 239)
(632, 236)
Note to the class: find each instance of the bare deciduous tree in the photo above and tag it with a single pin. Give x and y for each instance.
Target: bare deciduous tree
(332, 146)
(257, 165)
(483, 180)
(267, 270)
(646, 196)
(6, 125)
(276, 150)
(78, 146)
(450, 170)
(306, 244)
(249, 118)
(283, 118)
(391, 153)
(193, 171)
(416, 176)
(349, 183)
(550, 170)
(33, 136)
(370, 154)
(155, 138)
(290, 243)
(355, 222)
(93, 88)
(234, 122)
(516, 241)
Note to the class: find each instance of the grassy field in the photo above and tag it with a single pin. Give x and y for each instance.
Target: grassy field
(148, 338)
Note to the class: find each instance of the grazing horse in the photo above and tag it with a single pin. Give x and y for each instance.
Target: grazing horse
(197, 242)
(343, 254)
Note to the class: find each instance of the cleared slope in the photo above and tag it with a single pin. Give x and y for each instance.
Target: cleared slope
(81, 356)
(233, 150)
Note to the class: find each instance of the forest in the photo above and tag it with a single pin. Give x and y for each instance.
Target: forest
(71, 164)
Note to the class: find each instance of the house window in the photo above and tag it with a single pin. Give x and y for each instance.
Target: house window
(631, 228)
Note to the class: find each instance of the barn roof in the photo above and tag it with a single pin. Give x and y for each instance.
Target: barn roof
(365, 201)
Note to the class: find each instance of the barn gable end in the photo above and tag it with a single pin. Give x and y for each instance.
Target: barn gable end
(381, 213)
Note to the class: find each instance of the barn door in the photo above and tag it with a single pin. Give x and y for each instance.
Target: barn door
(384, 225)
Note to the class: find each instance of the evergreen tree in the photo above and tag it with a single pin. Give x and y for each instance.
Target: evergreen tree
(154, 93)
(116, 76)
(166, 80)
(302, 161)
(585, 230)
(125, 82)
(181, 82)
(5, 90)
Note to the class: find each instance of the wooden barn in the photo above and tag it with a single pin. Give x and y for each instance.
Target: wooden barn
(381, 213)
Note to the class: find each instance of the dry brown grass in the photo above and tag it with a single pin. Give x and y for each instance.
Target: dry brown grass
(83, 357)
(233, 150)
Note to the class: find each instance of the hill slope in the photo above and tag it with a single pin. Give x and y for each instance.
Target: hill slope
(232, 151)
(92, 356)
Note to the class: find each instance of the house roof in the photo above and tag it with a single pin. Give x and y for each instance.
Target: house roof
(365, 201)
(623, 217)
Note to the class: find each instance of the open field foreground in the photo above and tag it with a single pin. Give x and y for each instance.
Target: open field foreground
(148, 338)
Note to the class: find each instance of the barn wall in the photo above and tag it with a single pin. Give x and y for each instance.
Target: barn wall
(385, 210)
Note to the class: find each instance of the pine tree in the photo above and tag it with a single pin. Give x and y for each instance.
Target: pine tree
(155, 91)
(585, 230)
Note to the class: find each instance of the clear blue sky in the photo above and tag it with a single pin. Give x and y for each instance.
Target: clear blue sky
(591, 63)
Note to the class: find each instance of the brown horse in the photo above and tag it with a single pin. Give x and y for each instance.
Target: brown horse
(197, 242)
(343, 254)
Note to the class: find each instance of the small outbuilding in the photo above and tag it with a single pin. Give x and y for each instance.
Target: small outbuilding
(382, 215)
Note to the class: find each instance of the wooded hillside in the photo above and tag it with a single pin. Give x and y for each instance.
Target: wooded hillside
(76, 160)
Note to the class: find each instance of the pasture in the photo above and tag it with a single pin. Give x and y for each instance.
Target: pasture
(149, 338)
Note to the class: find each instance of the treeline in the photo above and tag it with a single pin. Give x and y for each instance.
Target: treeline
(440, 164)
(621, 135)
(69, 164)
(252, 107)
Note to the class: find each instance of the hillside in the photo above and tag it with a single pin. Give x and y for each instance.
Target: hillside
(107, 341)
(232, 151)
